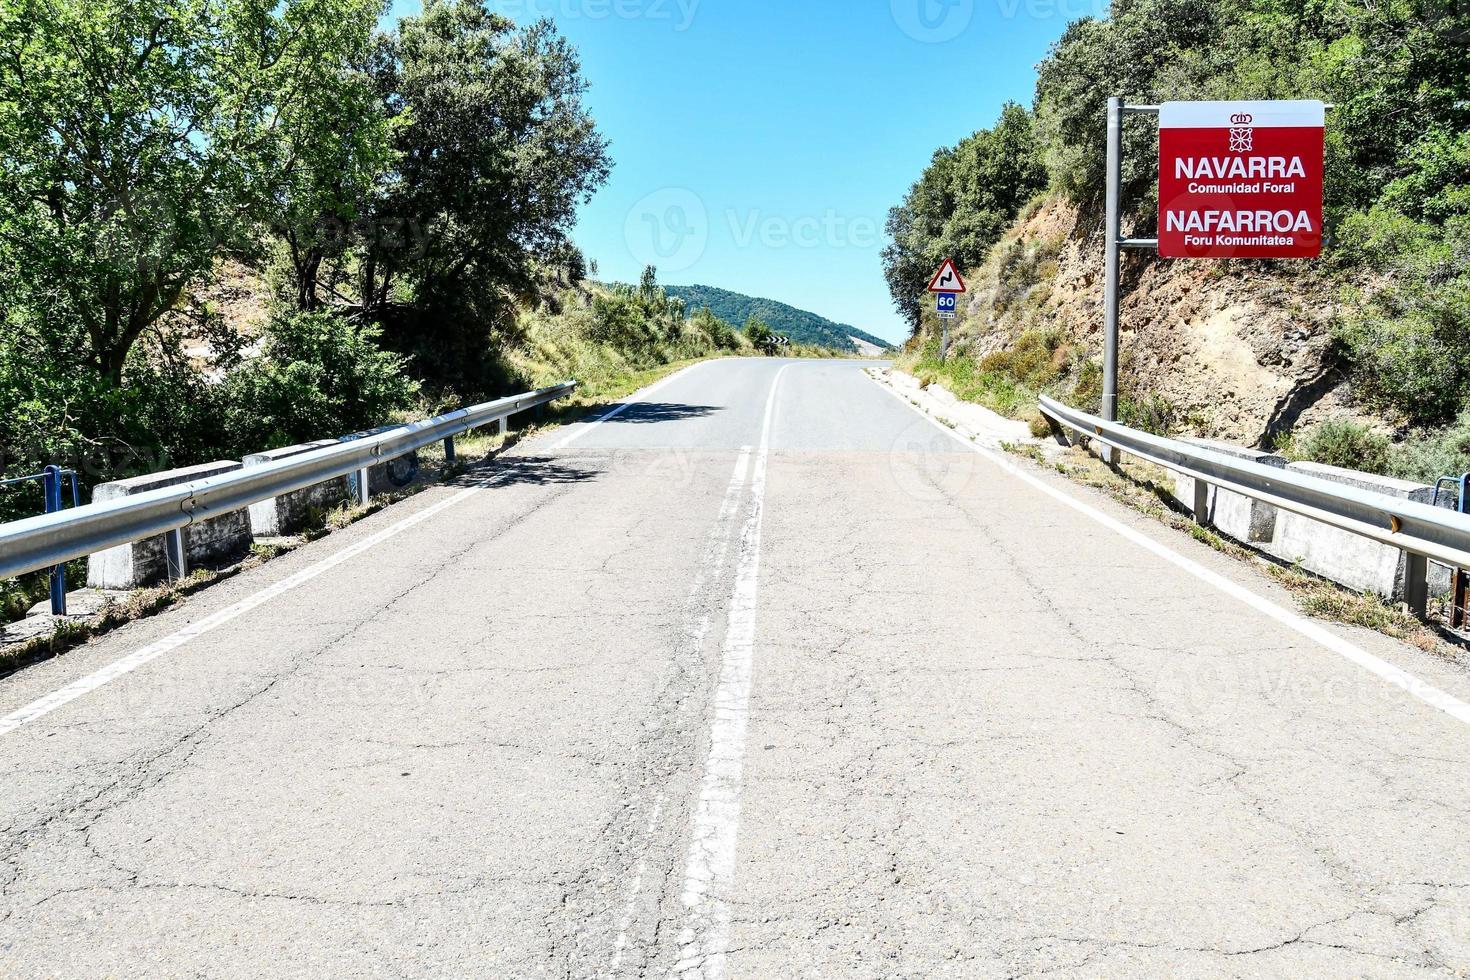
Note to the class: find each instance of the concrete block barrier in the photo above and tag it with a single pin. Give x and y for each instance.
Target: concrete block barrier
(1237, 515)
(1356, 562)
(377, 476)
(219, 541)
(291, 512)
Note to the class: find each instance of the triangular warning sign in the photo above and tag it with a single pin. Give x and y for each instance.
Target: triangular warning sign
(947, 279)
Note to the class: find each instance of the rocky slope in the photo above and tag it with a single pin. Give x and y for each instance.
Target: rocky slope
(1239, 350)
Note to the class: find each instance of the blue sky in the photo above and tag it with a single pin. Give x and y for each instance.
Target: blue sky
(758, 144)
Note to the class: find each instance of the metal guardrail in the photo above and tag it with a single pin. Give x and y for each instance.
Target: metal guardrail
(1420, 530)
(51, 539)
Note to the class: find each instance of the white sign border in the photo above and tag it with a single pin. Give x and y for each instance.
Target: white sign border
(1296, 114)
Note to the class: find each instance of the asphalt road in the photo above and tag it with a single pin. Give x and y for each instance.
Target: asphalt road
(765, 676)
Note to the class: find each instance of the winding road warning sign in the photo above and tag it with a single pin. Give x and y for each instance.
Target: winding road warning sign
(947, 279)
(1241, 179)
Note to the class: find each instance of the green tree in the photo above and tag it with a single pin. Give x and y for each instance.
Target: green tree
(1145, 51)
(323, 155)
(648, 284)
(495, 152)
(125, 132)
(961, 205)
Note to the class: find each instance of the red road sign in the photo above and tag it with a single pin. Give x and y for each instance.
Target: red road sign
(1241, 180)
(947, 279)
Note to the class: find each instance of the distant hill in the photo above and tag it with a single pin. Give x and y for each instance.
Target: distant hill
(801, 326)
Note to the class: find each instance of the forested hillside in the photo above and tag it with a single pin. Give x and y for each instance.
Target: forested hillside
(1377, 332)
(227, 226)
(800, 326)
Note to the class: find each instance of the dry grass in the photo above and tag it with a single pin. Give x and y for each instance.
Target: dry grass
(1325, 600)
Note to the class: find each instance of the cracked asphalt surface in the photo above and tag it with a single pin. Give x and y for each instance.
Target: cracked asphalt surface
(987, 737)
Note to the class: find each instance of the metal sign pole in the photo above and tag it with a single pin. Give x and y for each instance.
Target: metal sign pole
(1113, 231)
(1112, 257)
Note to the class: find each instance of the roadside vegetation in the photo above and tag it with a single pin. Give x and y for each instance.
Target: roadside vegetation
(228, 226)
(1039, 362)
(400, 197)
(1397, 265)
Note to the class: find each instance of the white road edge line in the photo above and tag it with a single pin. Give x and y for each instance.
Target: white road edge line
(714, 836)
(580, 429)
(49, 703)
(710, 567)
(1380, 668)
(85, 685)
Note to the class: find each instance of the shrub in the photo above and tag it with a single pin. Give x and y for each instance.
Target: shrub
(15, 599)
(1087, 392)
(319, 375)
(620, 320)
(706, 333)
(1409, 343)
(1030, 361)
(1154, 413)
(1340, 442)
(1426, 456)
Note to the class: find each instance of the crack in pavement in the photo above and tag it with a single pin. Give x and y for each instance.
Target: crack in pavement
(1354, 890)
(175, 755)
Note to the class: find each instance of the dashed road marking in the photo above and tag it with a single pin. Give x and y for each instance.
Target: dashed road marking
(710, 567)
(710, 867)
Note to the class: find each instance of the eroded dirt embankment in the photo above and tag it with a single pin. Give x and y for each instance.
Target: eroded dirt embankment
(1240, 350)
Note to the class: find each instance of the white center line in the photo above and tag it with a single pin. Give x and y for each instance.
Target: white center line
(710, 867)
(711, 565)
(1382, 669)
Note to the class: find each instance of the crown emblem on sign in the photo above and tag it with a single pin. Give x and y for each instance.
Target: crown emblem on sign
(1242, 136)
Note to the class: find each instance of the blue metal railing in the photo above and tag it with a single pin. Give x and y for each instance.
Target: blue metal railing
(52, 479)
(1460, 580)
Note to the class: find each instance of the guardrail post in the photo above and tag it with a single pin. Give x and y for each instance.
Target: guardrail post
(1201, 502)
(51, 483)
(1459, 598)
(500, 423)
(449, 450)
(364, 492)
(1416, 584)
(175, 556)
